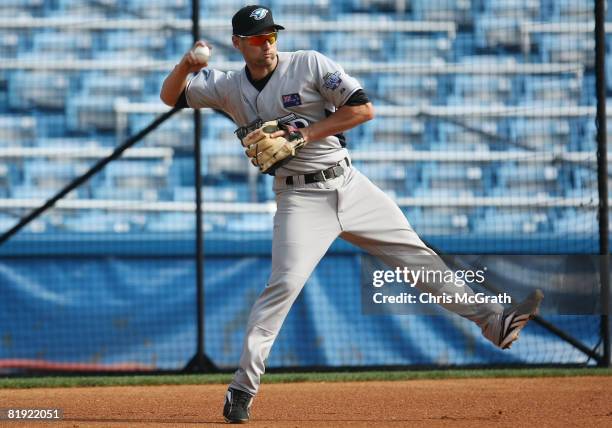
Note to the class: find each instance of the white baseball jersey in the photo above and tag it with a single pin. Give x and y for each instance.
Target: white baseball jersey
(305, 83)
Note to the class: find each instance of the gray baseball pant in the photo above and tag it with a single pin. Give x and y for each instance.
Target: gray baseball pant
(308, 219)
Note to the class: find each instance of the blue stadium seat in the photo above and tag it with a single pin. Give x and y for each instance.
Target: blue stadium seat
(31, 89)
(160, 8)
(578, 48)
(525, 10)
(500, 221)
(17, 131)
(527, 180)
(541, 134)
(218, 132)
(356, 47)
(439, 221)
(300, 7)
(452, 176)
(177, 132)
(53, 174)
(458, 11)
(90, 114)
(251, 223)
(128, 194)
(420, 49)
(454, 134)
(90, 9)
(572, 10)
(404, 90)
(137, 174)
(101, 84)
(97, 221)
(9, 44)
(36, 226)
(62, 43)
(297, 41)
(223, 9)
(483, 89)
(131, 41)
(173, 222)
(385, 6)
(492, 32)
(575, 221)
(552, 91)
(392, 130)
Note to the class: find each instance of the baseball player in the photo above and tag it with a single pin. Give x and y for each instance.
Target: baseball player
(292, 108)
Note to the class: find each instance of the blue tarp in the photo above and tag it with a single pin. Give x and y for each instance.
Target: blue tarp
(133, 310)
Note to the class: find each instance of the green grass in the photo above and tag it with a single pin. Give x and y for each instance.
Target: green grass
(144, 380)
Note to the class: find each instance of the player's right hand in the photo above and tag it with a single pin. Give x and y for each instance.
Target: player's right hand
(189, 61)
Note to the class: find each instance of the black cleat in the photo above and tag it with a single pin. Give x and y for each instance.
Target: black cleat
(237, 406)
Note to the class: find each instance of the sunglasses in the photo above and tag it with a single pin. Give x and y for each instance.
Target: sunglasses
(261, 39)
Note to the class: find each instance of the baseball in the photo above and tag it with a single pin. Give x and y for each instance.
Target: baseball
(202, 53)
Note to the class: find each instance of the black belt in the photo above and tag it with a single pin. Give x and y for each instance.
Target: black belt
(324, 175)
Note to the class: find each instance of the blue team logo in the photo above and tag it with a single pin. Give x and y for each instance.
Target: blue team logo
(259, 14)
(291, 100)
(332, 80)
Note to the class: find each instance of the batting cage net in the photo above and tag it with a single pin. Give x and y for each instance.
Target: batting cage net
(484, 135)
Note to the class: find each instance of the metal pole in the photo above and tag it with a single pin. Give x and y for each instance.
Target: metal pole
(602, 167)
(200, 362)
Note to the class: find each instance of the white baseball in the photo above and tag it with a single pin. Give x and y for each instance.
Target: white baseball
(202, 53)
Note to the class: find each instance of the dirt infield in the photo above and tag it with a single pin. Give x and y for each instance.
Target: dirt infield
(514, 402)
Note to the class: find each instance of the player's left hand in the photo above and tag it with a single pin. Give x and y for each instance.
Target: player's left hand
(270, 146)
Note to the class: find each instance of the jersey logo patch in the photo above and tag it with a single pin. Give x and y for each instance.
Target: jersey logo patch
(259, 14)
(332, 80)
(291, 100)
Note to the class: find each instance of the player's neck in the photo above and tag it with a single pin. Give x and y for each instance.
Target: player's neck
(261, 72)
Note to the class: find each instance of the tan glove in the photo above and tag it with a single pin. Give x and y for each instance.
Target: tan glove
(269, 152)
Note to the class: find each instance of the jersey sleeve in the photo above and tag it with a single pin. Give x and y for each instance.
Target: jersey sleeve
(208, 88)
(332, 82)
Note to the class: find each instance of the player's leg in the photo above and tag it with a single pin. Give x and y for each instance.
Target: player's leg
(373, 221)
(305, 225)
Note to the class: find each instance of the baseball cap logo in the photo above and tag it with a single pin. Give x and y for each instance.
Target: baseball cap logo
(259, 14)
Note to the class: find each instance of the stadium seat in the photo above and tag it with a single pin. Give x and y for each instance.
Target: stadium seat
(31, 89)
(578, 48)
(571, 10)
(420, 49)
(160, 8)
(137, 174)
(482, 89)
(551, 91)
(452, 177)
(543, 135)
(16, 131)
(91, 114)
(9, 44)
(401, 90)
(492, 32)
(498, 221)
(392, 130)
(525, 10)
(57, 44)
(173, 222)
(132, 41)
(341, 47)
(458, 11)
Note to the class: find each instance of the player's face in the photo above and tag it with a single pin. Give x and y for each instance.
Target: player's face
(260, 49)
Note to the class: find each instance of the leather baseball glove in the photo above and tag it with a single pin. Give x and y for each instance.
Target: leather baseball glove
(269, 149)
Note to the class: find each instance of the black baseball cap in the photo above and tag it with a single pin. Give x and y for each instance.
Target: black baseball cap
(252, 20)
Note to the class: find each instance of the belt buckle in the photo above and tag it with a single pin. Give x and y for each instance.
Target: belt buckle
(324, 176)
